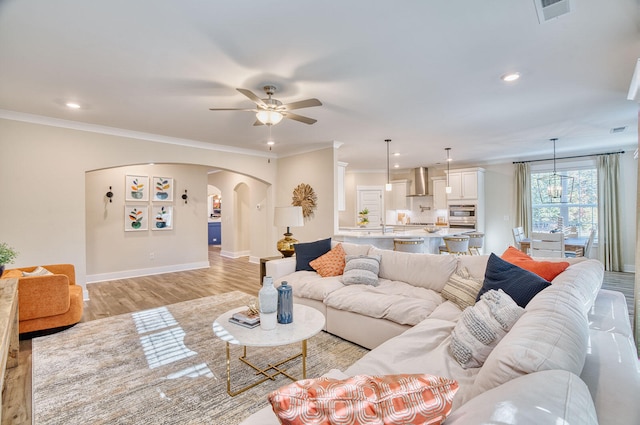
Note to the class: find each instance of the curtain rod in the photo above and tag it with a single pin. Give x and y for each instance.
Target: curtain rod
(568, 157)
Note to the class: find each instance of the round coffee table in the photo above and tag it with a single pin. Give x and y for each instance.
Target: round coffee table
(307, 322)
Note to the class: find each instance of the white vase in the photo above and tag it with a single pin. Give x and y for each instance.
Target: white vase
(268, 299)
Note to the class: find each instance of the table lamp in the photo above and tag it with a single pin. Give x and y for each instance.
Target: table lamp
(288, 217)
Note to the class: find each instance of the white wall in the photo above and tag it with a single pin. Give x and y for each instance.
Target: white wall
(113, 253)
(254, 235)
(42, 183)
(317, 169)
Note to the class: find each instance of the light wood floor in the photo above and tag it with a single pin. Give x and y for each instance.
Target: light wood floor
(129, 295)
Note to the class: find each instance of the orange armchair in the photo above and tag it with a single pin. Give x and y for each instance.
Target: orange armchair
(49, 301)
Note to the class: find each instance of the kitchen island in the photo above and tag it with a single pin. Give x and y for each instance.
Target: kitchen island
(384, 240)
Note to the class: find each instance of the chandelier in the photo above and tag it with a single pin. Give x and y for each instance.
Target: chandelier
(555, 188)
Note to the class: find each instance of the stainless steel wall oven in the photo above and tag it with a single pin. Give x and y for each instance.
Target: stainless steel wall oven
(462, 216)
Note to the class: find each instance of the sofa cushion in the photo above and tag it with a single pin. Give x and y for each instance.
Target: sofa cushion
(461, 288)
(428, 271)
(311, 285)
(547, 270)
(518, 283)
(307, 252)
(38, 271)
(549, 397)
(482, 326)
(551, 334)
(330, 264)
(586, 277)
(361, 269)
(364, 399)
(398, 302)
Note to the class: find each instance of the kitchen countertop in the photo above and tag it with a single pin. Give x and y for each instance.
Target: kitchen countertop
(366, 233)
(377, 238)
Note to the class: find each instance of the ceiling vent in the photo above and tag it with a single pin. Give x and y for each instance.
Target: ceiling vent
(551, 9)
(617, 130)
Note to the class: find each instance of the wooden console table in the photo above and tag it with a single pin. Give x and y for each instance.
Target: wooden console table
(263, 266)
(8, 328)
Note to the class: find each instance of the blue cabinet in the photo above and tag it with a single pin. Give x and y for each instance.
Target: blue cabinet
(215, 234)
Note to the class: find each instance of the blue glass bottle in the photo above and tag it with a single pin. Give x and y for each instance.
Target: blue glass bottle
(285, 303)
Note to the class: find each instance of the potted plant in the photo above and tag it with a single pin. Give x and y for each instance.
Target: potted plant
(7, 255)
(363, 218)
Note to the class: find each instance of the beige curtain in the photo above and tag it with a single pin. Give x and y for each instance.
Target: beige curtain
(523, 196)
(609, 246)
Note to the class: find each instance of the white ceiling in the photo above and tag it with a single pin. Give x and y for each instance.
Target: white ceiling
(422, 73)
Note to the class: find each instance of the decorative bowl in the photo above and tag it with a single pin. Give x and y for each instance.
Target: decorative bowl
(431, 229)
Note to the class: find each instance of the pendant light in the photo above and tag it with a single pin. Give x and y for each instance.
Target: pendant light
(388, 186)
(556, 188)
(447, 189)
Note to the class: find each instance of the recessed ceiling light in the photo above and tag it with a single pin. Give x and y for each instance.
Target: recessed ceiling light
(271, 143)
(396, 154)
(396, 166)
(512, 76)
(72, 105)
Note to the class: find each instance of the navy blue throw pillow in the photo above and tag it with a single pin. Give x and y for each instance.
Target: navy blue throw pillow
(520, 284)
(307, 252)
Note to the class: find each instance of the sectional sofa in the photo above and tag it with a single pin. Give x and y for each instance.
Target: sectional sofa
(568, 358)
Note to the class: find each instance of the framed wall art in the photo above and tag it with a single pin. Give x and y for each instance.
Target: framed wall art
(136, 188)
(162, 217)
(136, 218)
(162, 189)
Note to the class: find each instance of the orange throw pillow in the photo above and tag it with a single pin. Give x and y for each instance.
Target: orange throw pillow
(364, 399)
(330, 264)
(547, 270)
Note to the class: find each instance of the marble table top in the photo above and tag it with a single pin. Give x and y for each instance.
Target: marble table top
(307, 322)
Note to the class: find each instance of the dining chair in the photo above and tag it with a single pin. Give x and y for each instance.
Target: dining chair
(547, 244)
(518, 235)
(587, 247)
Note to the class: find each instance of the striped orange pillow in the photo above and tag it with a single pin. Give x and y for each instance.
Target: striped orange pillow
(330, 264)
(365, 399)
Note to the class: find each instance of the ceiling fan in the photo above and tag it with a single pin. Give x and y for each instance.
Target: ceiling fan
(270, 111)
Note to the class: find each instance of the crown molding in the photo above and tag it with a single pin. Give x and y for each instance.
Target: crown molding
(114, 131)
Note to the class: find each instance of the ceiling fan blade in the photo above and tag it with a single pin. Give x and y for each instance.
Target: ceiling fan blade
(255, 99)
(232, 109)
(300, 118)
(258, 122)
(301, 104)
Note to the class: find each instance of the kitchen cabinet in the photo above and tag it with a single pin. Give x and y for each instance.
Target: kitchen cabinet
(398, 198)
(439, 194)
(342, 198)
(466, 184)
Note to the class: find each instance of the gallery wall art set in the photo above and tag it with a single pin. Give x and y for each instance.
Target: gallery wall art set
(138, 193)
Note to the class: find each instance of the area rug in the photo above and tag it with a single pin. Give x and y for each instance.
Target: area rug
(161, 366)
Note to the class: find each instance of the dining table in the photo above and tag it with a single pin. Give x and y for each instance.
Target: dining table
(572, 244)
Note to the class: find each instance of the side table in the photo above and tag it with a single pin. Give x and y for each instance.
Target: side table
(263, 266)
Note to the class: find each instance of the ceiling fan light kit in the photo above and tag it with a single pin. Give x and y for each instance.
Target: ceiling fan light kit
(271, 111)
(268, 117)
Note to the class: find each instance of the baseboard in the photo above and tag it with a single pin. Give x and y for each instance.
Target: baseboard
(231, 254)
(629, 268)
(126, 274)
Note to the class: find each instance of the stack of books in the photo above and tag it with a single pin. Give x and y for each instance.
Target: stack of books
(247, 318)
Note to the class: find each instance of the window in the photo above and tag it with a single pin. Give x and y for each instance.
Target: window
(580, 211)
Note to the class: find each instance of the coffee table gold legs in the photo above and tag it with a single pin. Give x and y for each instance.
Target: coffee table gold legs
(276, 367)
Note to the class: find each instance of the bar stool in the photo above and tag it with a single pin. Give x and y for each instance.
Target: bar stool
(455, 245)
(476, 240)
(408, 245)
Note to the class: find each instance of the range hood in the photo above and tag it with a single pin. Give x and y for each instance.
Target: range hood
(419, 186)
